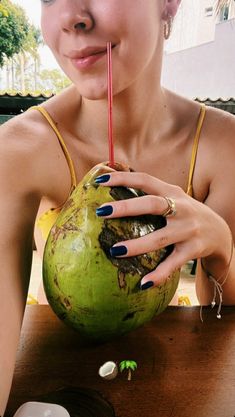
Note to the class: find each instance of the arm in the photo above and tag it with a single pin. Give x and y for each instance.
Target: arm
(18, 207)
(198, 230)
(221, 199)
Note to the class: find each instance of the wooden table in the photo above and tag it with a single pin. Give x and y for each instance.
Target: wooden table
(186, 368)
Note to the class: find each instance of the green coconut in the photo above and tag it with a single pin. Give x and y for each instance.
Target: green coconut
(96, 294)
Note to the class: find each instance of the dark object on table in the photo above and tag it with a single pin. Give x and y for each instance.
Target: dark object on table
(80, 402)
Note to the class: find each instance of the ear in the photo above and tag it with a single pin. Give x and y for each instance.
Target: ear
(170, 9)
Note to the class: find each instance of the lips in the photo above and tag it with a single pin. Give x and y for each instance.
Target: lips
(86, 52)
(84, 58)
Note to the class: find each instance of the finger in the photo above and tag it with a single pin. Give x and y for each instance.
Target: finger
(138, 180)
(165, 269)
(148, 204)
(151, 242)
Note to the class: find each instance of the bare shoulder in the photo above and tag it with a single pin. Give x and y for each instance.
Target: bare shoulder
(218, 135)
(29, 144)
(21, 146)
(214, 173)
(218, 156)
(220, 123)
(218, 128)
(20, 191)
(183, 106)
(22, 129)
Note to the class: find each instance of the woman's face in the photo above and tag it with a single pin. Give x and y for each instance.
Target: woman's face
(77, 31)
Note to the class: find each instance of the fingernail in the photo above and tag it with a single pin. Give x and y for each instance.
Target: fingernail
(146, 285)
(104, 211)
(118, 250)
(102, 178)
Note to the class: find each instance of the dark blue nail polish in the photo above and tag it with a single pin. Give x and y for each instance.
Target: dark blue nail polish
(104, 211)
(118, 250)
(102, 178)
(147, 285)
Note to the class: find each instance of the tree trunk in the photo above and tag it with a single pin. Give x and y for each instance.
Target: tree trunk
(1, 72)
(12, 74)
(22, 72)
(8, 75)
(35, 73)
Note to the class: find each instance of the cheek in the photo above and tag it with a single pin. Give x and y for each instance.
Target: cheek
(47, 29)
(139, 45)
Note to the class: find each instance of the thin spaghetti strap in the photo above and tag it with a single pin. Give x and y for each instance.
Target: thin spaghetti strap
(195, 148)
(44, 112)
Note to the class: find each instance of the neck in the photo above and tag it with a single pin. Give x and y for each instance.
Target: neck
(138, 112)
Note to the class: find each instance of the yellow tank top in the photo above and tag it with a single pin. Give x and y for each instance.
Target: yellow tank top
(47, 219)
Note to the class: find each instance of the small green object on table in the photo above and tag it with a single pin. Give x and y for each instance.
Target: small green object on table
(129, 365)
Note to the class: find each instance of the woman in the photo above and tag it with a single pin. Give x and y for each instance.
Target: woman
(155, 131)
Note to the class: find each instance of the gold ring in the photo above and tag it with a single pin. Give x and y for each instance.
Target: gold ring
(171, 209)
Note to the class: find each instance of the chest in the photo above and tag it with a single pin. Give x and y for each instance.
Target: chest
(169, 160)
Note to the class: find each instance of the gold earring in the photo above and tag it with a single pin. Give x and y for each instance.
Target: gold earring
(168, 27)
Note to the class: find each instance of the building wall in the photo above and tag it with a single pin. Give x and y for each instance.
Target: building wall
(232, 10)
(192, 25)
(207, 22)
(195, 24)
(207, 70)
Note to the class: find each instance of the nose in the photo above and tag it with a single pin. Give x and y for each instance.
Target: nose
(74, 21)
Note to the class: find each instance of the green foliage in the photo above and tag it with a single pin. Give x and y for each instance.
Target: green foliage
(128, 365)
(19, 54)
(48, 81)
(14, 27)
(32, 41)
(3, 11)
(53, 80)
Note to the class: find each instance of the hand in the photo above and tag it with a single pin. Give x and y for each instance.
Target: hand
(193, 230)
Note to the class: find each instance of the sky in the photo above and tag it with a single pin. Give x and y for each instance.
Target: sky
(33, 11)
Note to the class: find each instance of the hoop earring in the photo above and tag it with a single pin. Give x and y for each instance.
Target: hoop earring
(168, 27)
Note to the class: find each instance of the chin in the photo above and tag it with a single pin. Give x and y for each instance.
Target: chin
(91, 86)
(92, 90)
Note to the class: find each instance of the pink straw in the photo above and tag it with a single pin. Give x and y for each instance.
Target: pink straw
(110, 104)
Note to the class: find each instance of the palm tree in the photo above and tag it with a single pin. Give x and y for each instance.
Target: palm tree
(30, 51)
(129, 365)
